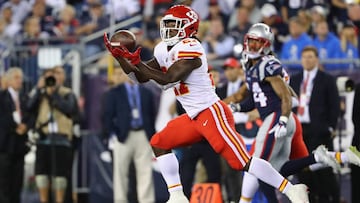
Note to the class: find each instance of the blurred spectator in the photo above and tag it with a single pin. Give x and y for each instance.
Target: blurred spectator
(216, 12)
(10, 28)
(327, 44)
(32, 38)
(151, 8)
(240, 29)
(202, 7)
(217, 43)
(339, 7)
(52, 6)
(291, 49)
(305, 18)
(57, 5)
(96, 20)
(153, 29)
(60, 74)
(320, 13)
(353, 9)
(20, 9)
(3, 36)
(129, 125)
(290, 8)
(53, 108)
(122, 9)
(76, 4)
(253, 10)
(67, 24)
(32, 34)
(275, 3)
(349, 42)
(13, 137)
(43, 12)
(271, 17)
(3, 83)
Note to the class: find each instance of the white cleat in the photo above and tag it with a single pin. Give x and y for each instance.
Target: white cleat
(353, 155)
(298, 193)
(177, 197)
(322, 156)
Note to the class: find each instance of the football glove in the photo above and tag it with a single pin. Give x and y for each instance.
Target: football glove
(122, 51)
(279, 129)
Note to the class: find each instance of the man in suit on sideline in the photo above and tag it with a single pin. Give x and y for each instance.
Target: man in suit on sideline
(129, 120)
(12, 137)
(318, 112)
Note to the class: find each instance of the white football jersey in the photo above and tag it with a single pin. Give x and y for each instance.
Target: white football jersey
(197, 91)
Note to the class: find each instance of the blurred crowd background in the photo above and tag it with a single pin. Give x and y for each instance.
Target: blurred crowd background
(37, 35)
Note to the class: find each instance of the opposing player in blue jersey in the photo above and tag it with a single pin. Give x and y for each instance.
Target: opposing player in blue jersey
(271, 97)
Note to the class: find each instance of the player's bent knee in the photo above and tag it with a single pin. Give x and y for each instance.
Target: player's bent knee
(60, 183)
(157, 143)
(42, 181)
(154, 140)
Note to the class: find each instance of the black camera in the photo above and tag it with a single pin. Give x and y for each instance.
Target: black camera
(50, 81)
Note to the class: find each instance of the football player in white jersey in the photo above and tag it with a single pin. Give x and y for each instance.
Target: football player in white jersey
(181, 62)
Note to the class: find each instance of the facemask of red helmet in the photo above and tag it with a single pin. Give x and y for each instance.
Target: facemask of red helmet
(179, 22)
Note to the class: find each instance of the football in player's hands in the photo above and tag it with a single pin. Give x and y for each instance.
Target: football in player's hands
(123, 38)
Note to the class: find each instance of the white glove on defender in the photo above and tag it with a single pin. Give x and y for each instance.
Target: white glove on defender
(279, 129)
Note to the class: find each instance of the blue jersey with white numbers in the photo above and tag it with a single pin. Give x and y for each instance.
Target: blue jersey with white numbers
(265, 98)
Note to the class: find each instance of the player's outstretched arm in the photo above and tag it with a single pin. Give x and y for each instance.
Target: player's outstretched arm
(176, 72)
(128, 60)
(238, 96)
(283, 92)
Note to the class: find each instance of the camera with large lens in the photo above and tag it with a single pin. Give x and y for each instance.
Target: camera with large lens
(50, 81)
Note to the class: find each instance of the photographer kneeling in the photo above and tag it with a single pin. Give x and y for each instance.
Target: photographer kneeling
(53, 107)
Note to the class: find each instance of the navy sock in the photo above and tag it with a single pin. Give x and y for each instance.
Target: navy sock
(292, 167)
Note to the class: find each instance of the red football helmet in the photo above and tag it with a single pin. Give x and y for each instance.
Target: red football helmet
(179, 22)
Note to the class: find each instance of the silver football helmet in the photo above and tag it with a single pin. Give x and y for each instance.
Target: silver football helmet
(261, 33)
